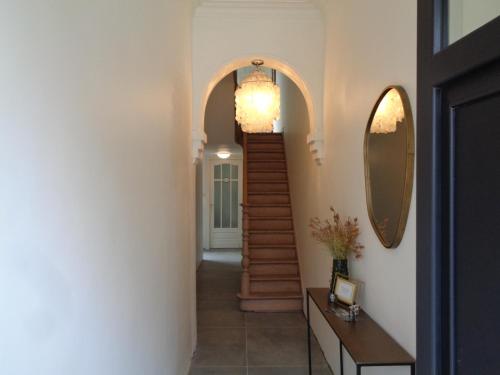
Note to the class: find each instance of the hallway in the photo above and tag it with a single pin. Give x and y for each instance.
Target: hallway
(231, 342)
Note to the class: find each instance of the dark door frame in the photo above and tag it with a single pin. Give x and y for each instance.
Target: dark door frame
(437, 65)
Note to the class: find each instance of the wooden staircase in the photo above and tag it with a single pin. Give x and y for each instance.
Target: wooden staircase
(270, 279)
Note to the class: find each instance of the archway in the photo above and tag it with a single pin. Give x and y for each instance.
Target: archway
(315, 137)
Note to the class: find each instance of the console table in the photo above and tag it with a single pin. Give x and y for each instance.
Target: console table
(363, 344)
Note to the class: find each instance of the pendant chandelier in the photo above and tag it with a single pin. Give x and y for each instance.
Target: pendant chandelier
(257, 101)
(389, 113)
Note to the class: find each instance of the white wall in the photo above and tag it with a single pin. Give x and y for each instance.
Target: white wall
(367, 48)
(96, 188)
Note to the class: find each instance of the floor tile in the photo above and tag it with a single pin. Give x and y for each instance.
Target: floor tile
(295, 319)
(218, 371)
(220, 313)
(220, 347)
(287, 371)
(218, 289)
(284, 346)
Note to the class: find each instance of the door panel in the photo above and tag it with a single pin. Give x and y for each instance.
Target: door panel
(225, 228)
(458, 200)
(476, 175)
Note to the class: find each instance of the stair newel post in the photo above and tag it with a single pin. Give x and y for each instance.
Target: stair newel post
(245, 262)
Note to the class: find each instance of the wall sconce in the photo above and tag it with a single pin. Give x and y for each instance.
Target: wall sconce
(223, 154)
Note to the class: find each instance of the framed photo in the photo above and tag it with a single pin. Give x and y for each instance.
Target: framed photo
(345, 290)
(336, 276)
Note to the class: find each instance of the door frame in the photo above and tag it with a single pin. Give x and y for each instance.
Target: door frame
(437, 65)
(212, 161)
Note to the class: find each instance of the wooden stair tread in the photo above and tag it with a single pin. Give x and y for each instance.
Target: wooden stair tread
(267, 218)
(271, 231)
(274, 277)
(263, 151)
(267, 181)
(268, 161)
(272, 246)
(267, 171)
(268, 204)
(268, 193)
(274, 261)
(272, 295)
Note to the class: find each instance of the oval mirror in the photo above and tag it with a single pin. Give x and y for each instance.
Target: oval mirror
(389, 156)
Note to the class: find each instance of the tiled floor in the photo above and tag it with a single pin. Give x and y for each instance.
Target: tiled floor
(231, 342)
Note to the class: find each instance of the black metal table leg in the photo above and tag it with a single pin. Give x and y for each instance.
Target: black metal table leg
(309, 336)
(341, 359)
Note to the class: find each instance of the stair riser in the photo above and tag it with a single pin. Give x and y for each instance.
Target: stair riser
(252, 176)
(274, 269)
(269, 199)
(275, 146)
(265, 156)
(271, 239)
(275, 286)
(257, 138)
(269, 212)
(272, 165)
(285, 224)
(272, 253)
(255, 187)
(272, 305)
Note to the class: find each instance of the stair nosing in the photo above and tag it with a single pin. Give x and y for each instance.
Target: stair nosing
(272, 246)
(267, 192)
(269, 181)
(276, 277)
(273, 295)
(268, 171)
(273, 260)
(267, 231)
(267, 160)
(268, 204)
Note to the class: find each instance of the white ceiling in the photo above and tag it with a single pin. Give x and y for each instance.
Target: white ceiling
(259, 3)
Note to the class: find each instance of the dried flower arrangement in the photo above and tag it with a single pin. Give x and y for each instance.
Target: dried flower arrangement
(339, 236)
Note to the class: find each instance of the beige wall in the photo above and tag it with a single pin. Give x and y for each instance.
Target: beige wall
(96, 188)
(369, 45)
(219, 116)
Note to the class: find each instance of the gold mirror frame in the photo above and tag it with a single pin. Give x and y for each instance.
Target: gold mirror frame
(410, 159)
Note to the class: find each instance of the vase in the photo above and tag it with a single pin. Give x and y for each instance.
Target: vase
(338, 266)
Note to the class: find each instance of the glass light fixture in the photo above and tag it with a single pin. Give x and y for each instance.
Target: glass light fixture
(257, 101)
(389, 113)
(223, 154)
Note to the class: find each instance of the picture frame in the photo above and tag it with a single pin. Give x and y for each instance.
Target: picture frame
(345, 290)
(337, 275)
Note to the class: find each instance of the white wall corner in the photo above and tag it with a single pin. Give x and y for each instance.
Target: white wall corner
(198, 141)
(316, 147)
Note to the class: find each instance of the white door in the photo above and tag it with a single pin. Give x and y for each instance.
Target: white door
(226, 199)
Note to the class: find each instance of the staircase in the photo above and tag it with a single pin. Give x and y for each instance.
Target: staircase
(270, 279)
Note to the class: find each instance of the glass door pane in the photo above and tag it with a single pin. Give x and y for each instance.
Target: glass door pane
(465, 16)
(226, 196)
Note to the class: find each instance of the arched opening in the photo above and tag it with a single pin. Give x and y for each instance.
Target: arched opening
(215, 210)
(314, 134)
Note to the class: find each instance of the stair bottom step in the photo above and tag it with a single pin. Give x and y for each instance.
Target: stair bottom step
(253, 303)
(275, 286)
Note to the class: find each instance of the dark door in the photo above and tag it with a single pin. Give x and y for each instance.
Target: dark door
(458, 188)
